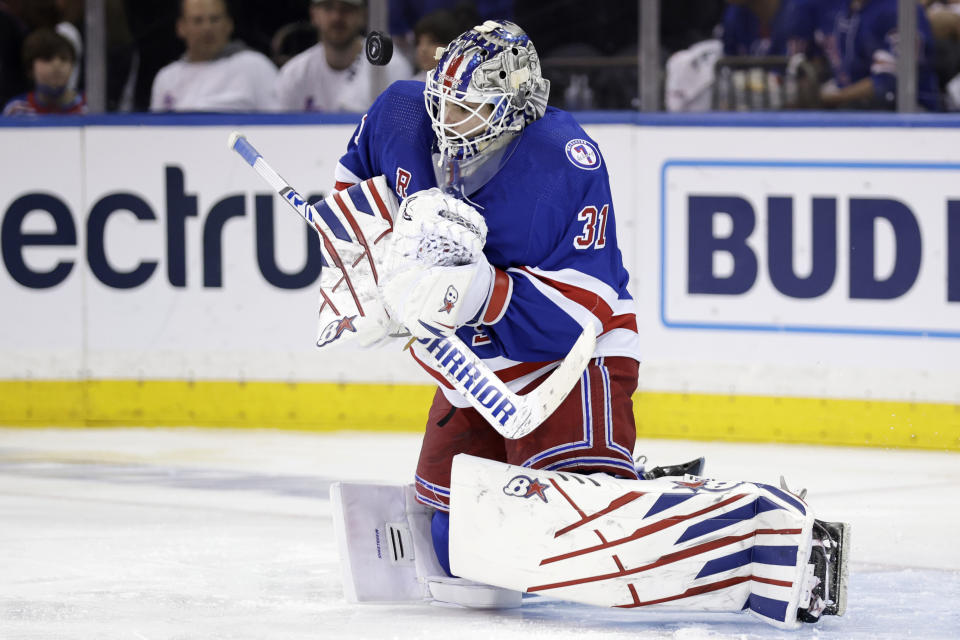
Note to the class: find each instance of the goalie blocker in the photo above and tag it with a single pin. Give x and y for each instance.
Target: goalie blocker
(679, 544)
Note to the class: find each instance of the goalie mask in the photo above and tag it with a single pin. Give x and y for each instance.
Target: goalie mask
(487, 85)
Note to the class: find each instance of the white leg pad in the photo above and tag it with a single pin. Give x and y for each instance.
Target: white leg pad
(681, 544)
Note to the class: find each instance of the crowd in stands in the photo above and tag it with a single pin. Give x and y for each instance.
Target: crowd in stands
(820, 54)
(308, 55)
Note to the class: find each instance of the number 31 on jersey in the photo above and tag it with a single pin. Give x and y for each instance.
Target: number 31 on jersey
(594, 228)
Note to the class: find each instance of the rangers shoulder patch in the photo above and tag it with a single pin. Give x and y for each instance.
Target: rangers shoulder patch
(583, 154)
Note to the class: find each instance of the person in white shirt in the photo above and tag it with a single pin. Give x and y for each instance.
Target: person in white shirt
(214, 74)
(334, 75)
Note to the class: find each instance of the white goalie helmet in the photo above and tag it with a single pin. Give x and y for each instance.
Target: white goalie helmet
(492, 64)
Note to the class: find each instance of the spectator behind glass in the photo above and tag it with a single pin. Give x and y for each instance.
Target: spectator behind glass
(214, 74)
(772, 27)
(49, 59)
(435, 30)
(291, 39)
(334, 74)
(944, 17)
(860, 44)
(61, 16)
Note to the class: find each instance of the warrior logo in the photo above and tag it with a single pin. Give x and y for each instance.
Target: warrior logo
(461, 364)
(449, 299)
(335, 329)
(524, 487)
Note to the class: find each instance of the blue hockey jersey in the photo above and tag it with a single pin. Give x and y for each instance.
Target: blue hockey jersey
(551, 233)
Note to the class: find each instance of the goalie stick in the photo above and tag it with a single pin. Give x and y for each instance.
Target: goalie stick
(512, 415)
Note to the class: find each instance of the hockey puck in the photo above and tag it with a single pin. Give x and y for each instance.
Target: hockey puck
(379, 48)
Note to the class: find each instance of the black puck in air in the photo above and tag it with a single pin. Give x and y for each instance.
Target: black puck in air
(379, 48)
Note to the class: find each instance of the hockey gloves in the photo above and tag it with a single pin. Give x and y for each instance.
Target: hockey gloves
(435, 277)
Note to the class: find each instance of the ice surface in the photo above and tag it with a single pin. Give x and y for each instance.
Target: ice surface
(151, 533)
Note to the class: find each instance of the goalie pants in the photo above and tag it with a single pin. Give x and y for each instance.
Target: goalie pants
(593, 430)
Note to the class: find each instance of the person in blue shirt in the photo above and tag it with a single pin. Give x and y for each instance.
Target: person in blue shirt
(480, 132)
(859, 41)
(768, 27)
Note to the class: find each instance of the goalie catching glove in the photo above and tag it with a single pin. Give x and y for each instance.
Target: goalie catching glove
(435, 277)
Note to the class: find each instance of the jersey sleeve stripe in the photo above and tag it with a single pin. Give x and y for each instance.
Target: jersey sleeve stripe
(342, 174)
(580, 280)
(519, 370)
(573, 309)
(499, 300)
(592, 302)
(625, 321)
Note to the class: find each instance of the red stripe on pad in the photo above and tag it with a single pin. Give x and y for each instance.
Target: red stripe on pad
(339, 264)
(647, 530)
(705, 588)
(673, 557)
(357, 232)
(615, 504)
(384, 212)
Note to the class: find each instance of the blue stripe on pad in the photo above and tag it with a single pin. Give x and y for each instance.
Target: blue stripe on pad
(746, 512)
(332, 221)
(784, 556)
(783, 495)
(359, 199)
(666, 501)
(726, 563)
(768, 607)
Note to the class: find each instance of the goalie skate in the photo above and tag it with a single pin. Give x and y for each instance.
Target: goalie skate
(692, 468)
(827, 572)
